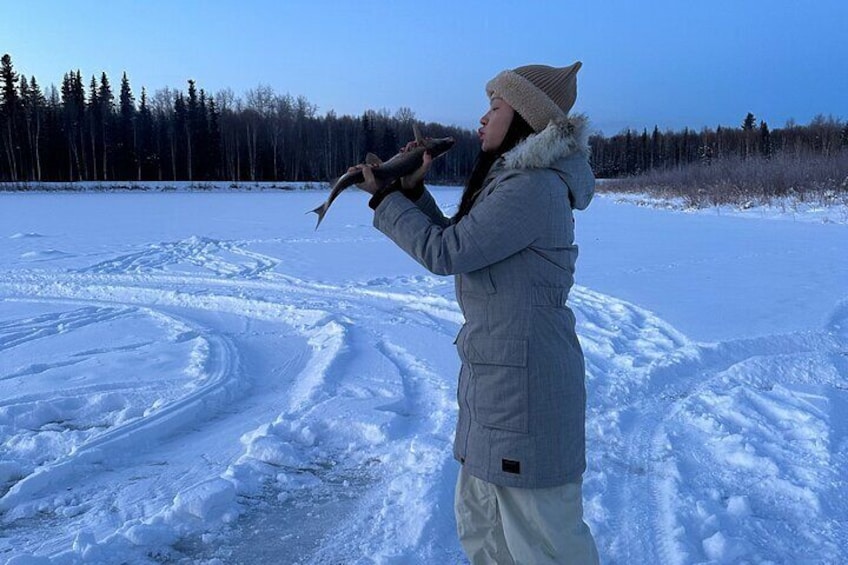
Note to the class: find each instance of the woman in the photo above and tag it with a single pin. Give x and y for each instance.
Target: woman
(520, 433)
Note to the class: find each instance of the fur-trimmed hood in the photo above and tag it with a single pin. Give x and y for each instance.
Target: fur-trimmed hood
(563, 147)
(542, 150)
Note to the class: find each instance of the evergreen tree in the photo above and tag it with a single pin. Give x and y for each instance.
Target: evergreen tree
(24, 137)
(32, 107)
(95, 118)
(36, 105)
(178, 137)
(844, 136)
(214, 146)
(127, 100)
(656, 147)
(765, 140)
(202, 128)
(162, 109)
(8, 91)
(390, 142)
(126, 143)
(192, 123)
(304, 115)
(73, 119)
(23, 90)
(9, 109)
(144, 138)
(686, 147)
(748, 125)
(369, 137)
(105, 100)
(54, 147)
(629, 154)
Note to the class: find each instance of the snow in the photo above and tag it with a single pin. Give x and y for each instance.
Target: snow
(202, 377)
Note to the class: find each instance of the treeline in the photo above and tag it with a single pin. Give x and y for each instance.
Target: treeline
(729, 165)
(631, 153)
(88, 132)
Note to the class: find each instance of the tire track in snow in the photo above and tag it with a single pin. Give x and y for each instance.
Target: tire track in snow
(633, 359)
(157, 290)
(327, 341)
(18, 332)
(383, 437)
(243, 284)
(325, 334)
(627, 351)
(400, 518)
(755, 438)
(282, 287)
(643, 377)
(202, 401)
(202, 252)
(217, 389)
(666, 424)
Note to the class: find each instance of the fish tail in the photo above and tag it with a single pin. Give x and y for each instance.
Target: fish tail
(320, 210)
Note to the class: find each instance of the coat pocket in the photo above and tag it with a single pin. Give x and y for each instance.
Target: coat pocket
(500, 385)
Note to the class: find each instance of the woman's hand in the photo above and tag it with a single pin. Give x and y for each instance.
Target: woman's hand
(370, 184)
(411, 181)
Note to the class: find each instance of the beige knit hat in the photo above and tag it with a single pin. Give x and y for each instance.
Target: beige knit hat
(539, 93)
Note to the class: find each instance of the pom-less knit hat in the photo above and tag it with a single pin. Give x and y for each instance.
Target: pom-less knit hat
(539, 93)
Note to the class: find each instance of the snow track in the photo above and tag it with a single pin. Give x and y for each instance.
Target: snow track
(304, 434)
(206, 399)
(715, 452)
(219, 386)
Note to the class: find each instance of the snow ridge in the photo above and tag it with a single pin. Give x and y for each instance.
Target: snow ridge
(205, 399)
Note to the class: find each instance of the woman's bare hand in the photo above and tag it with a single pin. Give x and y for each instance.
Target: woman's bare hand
(412, 180)
(370, 184)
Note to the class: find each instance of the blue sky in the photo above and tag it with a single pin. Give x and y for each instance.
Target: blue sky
(663, 62)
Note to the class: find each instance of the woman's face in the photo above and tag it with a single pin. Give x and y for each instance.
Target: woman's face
(495, 124)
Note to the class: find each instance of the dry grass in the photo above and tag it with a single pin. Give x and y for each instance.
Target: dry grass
(739, 181)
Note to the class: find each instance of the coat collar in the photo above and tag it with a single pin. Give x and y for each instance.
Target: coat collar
(541, 150)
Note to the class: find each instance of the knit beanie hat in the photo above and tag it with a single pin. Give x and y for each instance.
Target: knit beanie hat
(539, 93)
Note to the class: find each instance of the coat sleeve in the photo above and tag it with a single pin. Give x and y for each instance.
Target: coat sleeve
(427, 204)
(501, 224)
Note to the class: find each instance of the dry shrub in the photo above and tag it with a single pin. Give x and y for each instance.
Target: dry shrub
(740, 181)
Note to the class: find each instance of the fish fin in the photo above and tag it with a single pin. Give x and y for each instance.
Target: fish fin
(418, 137)
(373, 160)
(320, 210)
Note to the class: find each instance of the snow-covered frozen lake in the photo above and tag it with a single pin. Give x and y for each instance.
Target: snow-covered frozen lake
(205, 378)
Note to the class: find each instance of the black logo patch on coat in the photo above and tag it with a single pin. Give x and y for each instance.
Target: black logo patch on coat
(510, 466)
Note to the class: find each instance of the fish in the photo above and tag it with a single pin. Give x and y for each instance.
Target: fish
(400, 165)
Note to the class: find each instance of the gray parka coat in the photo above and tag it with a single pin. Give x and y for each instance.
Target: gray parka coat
(521, 395)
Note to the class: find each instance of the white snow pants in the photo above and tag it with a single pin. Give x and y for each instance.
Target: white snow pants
(507, 525)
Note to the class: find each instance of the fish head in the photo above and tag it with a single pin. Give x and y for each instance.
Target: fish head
(439, 145)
